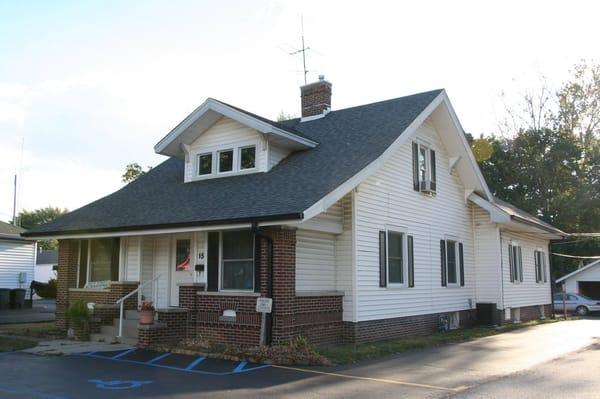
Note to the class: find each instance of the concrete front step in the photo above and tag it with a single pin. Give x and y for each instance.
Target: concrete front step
(128, 331)
(132, 315)
(127, 323)
(110, 339)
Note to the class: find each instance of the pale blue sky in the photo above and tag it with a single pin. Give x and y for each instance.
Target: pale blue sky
(91, 86)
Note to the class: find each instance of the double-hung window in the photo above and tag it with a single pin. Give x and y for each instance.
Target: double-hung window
(424, 168)
(396, 259)
(452, 263)
(515, 263)
(237, 260)
(540, 266)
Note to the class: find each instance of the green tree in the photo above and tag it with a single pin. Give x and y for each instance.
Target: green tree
(132, 172)
(549, 162)
(30, 219)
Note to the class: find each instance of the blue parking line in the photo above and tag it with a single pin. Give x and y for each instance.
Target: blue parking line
(195, 363)
(157, 358)
(239, 367)
(122, 353)
(156, 365)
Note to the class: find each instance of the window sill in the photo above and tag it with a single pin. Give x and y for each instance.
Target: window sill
(319, 293)
(229, 293)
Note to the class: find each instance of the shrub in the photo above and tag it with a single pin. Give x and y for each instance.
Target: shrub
(79, 315)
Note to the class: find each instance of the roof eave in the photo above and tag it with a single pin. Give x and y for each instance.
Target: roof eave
(162, 147)
(270, 219)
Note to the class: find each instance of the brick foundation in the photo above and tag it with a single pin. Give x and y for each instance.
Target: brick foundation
(170, 328)
(375, 330)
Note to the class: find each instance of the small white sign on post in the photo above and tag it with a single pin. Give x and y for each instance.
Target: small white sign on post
(264, 305)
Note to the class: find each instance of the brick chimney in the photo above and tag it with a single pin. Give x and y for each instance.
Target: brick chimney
(316, 97)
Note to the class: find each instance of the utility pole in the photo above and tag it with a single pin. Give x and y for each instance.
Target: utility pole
(14, 222)
(302, 50)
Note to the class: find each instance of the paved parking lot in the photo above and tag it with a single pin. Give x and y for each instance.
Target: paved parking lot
(432, 373)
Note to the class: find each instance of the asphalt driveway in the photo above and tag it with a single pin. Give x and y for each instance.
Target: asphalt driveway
(432, 373)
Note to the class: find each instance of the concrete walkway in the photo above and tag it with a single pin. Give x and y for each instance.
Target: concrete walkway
(41, 310)
(69, 347)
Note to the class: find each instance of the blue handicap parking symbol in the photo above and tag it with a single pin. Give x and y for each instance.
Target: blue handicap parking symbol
(118, 384)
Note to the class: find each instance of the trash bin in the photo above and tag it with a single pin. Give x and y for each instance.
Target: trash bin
(17, 298)
(4, 298)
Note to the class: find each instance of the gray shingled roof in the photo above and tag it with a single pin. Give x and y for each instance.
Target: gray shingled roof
(349, 140)
(9, 231)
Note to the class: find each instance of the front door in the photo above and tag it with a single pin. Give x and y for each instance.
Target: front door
(182, 270)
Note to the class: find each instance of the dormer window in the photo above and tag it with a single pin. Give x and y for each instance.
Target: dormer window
(226, 161)
(204, 164)
(247, 157)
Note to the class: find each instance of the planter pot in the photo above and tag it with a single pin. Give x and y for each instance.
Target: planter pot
(147, 316)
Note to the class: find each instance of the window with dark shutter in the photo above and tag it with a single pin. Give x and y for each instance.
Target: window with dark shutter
(415, 151)
(411, 261)
(461, 263)
(432, 157)
(544, 268)
(443, 262)
(510, 264)
(520, 263)
(382, 259)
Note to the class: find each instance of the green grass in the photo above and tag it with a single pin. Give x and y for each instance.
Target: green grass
(8, 344)
(45, 330)
(352, 353)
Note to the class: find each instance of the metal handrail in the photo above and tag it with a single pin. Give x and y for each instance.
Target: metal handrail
(121, 301)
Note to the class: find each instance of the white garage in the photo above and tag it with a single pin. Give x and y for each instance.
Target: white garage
(584, 281)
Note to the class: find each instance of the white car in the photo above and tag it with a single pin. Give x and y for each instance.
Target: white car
(576, 303)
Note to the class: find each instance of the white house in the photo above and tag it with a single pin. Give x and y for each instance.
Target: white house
(585, 280)
(17, 258)
(361, 224)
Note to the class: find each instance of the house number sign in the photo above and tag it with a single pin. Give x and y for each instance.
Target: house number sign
(264, 305)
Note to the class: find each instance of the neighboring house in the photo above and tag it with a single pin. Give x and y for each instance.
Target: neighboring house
(17, 257)
(46, 264)
(584, 281)
(363, 223)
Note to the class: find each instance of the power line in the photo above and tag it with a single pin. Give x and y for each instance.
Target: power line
(575, 257)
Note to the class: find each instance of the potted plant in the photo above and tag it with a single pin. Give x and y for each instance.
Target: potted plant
(79, 315)
(147, 312)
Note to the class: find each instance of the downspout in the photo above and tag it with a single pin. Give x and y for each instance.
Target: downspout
(551, 279)
(269, 318)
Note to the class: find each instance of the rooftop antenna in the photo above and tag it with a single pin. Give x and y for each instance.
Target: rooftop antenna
(14, 221)
(303, 49)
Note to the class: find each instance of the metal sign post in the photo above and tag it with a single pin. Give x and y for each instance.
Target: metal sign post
(263, 306)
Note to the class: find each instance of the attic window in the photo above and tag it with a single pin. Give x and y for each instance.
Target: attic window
(205, 164)
(424, 168)
(248, 157)
(226, 161)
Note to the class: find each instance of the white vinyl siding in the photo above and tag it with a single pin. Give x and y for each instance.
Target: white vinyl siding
(487, 255)
(315, 261)
(276, 155)
(225, 134)
(388, 199)
(527, 292)
(147, 266)
(162, 257)
(16, 257)
(131, 258)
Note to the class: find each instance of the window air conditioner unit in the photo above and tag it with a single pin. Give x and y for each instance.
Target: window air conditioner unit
(427, 186)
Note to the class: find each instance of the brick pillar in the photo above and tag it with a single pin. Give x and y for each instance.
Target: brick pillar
(66, 278)
(284, 284)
